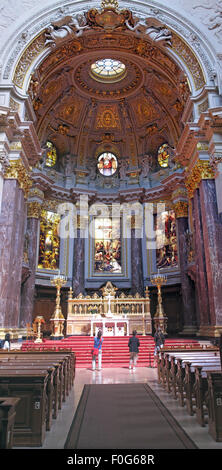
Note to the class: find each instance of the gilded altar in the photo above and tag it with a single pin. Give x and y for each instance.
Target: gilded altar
(115, 315)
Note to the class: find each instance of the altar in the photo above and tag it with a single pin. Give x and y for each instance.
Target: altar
(114, 315)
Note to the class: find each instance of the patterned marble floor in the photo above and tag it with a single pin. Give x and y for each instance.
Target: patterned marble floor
(56, 438)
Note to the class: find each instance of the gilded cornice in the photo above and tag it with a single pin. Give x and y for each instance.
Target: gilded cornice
(202, 170)
(16, 170)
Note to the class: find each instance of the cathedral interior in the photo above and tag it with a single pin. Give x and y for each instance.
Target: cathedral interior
(110, 163)
(111, 221)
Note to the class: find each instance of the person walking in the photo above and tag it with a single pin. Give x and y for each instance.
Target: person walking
(133, 345)
(97, 351)
(159, 340)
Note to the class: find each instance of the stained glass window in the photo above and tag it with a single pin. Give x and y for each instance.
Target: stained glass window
(163, 155)
(49, 241)
(108, 69)
(166, 252)
(107, 252)
(51, 154)
(107, 164)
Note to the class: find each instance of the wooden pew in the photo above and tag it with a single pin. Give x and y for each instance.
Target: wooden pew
(214, 401)
(30, 420)
(7, 419)
(67, 356)
(50, 392)
(190, 379)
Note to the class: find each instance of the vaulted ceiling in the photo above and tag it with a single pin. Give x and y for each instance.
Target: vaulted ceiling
(84, 115)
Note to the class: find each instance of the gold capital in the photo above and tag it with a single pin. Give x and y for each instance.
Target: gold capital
(201, 171)
(16, 170)
(181, 209)
(34, 210)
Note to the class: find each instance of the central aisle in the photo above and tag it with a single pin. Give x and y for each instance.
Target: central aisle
(55, 439)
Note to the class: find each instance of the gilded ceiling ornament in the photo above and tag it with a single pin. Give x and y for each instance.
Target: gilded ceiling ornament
(108, 117)
(109, 4)
(181, 209)
(30, 54)
(201, 170)
(34, 209)
(144, 110)
(184, 51)
(17, 171)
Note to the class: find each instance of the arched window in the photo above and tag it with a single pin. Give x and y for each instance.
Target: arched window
(163, 155)
(107, 164)
(51, 154)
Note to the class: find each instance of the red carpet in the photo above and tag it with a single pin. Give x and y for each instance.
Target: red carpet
(115, 349)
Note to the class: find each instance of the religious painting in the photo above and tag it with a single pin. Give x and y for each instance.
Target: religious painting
(166, 240)
(107, 164)
(49, 244)
(107, 245)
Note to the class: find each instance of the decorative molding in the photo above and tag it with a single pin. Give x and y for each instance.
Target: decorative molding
(34, 49)
(16, 170)
(201, 170)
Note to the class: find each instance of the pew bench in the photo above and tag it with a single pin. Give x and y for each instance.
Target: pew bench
(8, 407)
(30, 420)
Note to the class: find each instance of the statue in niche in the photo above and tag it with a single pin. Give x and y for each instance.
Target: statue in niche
(123, 166)
(67, 164)
(146, 163)
(153, 28)
(92, 170)
(64, 29)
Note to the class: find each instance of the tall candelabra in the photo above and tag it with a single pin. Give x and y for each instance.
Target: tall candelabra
(58, 319)
(160, 319)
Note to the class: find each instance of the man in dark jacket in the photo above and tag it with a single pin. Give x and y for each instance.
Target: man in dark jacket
(159, 340)
(134, 350)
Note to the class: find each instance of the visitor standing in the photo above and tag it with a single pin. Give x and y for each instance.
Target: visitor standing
(7, 342)
(97, 351)
(134, 350)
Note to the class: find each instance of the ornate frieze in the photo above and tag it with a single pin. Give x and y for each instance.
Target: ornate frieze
(186, 54)
(201, 170)
(30, 54)
(16, 170)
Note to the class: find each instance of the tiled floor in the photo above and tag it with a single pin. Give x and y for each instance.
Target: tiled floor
(56, 437)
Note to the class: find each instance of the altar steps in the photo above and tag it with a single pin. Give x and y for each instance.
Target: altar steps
(115, 349)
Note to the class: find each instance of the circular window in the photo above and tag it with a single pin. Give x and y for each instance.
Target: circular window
(107, 164)
(108, 70)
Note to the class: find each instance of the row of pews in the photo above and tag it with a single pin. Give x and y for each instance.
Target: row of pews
(194, 377)
(33, 387)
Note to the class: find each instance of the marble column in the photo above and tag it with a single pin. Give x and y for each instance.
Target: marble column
(200, 263)
(212, 239)
(188, 295)
(12, 222)
(78, 284)
(28, 288)
(137, 282)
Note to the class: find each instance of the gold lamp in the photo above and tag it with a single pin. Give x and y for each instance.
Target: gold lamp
(160, 319)
(58, 319)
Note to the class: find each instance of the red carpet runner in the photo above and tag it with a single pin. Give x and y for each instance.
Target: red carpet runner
(115, 349)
